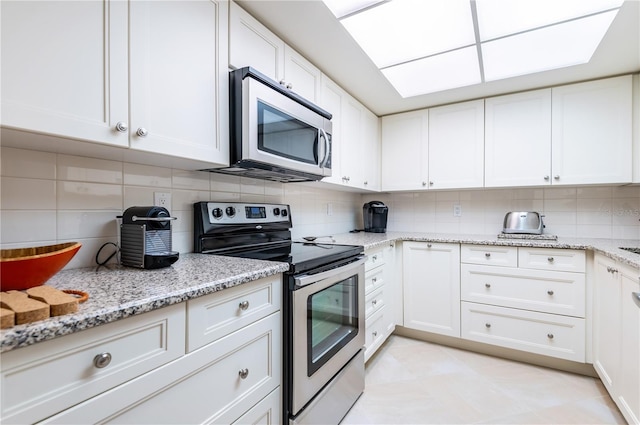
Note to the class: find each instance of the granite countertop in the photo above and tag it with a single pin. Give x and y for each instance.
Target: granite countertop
(116, 292)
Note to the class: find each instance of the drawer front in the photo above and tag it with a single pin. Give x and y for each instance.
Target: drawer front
(374, 302)
(373, 279)
(214, 316)
(266, 412)
(45, 378)
(541, 333)
(537, 290)
(566, 260)
(506, 256)
(204, 386)
(375, 258)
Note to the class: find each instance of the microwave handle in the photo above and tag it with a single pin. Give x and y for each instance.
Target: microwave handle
(327, 147)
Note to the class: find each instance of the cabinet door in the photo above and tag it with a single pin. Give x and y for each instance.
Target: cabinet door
(456, 146)
(518, 139)
(432, 287)
(64, 68)
(302, 76)
(591, 132)
(405, 151)
(252, 44)
(352, 163)
(629, 393)
(331, 100)
(606, 323)
(371, 151)
(179, 78)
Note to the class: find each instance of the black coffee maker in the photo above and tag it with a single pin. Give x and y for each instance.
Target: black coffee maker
(375, 217)
(145, 238)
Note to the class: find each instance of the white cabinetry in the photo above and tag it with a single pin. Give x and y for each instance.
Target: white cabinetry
(456, 146)
(591, 132)
(616, 339)
(380, 294)
(405, 151)
(518, 139)
(232, 372)
(119, 73)
(431, 287)
(530, 299)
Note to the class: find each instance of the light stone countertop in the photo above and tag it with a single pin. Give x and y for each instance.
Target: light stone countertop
(118, 292)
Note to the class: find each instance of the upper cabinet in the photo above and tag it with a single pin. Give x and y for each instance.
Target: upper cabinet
(518, 139)
(147, 75)
(252, 44)
(591, 132)
(456, 145)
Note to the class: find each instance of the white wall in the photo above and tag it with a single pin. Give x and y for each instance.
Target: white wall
(49, 198)
(599, 212)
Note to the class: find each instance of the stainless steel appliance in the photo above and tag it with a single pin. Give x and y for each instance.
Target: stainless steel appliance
(374, 215)
(145, 238)
(275, 134)
(323, 305)
(523, 222)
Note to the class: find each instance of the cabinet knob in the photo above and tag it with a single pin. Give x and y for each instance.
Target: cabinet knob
(429, 245)
(243, 305)
(487, 254)
(142, 132)
(243, 373)
(102, 360)
(550, 259)
(366, 182)
(374, 280)
(546, 178)
(556, 177)
(374, 258)
(287, 85)
(424, 184)
(430, 183)
(550, 292)
(122, 127)
(374, 333)
(487, 285)
(487, 325)
(550, 336)
(374, 302)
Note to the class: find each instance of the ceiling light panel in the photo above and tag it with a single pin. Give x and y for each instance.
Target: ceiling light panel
(497, 18)
(341, 8)
(403, 30)
(557, 46)
(449, 70)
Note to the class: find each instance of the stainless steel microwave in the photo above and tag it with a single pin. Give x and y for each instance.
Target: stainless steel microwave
(275, 134)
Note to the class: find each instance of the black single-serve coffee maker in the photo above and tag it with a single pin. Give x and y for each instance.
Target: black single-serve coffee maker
(145, 238)
(375, 217)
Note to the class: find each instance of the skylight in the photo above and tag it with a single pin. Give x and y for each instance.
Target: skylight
(425, 46)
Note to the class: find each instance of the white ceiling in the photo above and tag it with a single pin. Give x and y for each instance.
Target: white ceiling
(310, 28)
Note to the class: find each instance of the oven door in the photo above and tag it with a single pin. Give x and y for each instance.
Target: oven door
(328, 328)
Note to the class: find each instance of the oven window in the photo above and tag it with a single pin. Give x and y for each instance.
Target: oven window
(332, 321)
(285, 136)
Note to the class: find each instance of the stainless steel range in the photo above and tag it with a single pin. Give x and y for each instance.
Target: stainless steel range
(323, 305)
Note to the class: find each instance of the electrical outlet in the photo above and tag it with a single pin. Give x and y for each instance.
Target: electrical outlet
(162, 199)
(457, 210)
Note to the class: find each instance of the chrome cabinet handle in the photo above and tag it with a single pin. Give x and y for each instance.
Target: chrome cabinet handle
(556, 177)
(243, 305)
(374, 279)
(366, 182)
(550, 335)
(142, 132)
(612, 270)
(487, 254)
(122, 127)
(550, 292)
(429, 245)
(424, 184)
(287, 85)
(102, 360)
(430, 183)
(487, 325)
(487, 285)
(374, 302)
(636, 298)
(546, 178)
(374, 258)
(374, 333)
(550, 259)
(243, 373)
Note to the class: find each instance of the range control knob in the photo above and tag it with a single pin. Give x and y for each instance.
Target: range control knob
(217, 213)
(276, 211)
(231, 211)
(284, 213)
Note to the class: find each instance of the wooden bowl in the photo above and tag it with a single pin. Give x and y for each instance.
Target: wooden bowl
(24, 268)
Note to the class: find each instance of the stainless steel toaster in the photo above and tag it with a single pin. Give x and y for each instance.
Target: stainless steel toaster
(526, 222)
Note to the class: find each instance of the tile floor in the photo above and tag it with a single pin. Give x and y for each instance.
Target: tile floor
(416, 382)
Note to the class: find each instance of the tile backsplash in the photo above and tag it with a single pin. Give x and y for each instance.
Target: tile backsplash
(49, 198)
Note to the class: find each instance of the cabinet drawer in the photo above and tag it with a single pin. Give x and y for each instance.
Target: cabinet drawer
(537, 290)
(267, 412)
(566, 260)
(541, 333)
(375, 258)
(204, 386)
(213, 316)
(506, 256)
(374, 302)
(374, 328)
(41, 380)
(373, 279)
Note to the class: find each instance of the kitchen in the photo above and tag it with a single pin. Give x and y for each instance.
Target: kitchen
(76, 191)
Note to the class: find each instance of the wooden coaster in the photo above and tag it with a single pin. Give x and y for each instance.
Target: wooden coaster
(27, 310)
(60, 302)
(7, 318)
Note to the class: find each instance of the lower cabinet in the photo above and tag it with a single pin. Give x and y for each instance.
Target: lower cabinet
(232, 375)
(616, 333)
(431, 287)
(380, 297)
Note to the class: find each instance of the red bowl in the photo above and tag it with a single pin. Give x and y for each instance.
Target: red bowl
(24, 268)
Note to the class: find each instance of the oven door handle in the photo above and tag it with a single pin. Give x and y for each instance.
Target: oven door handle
(306, 279)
